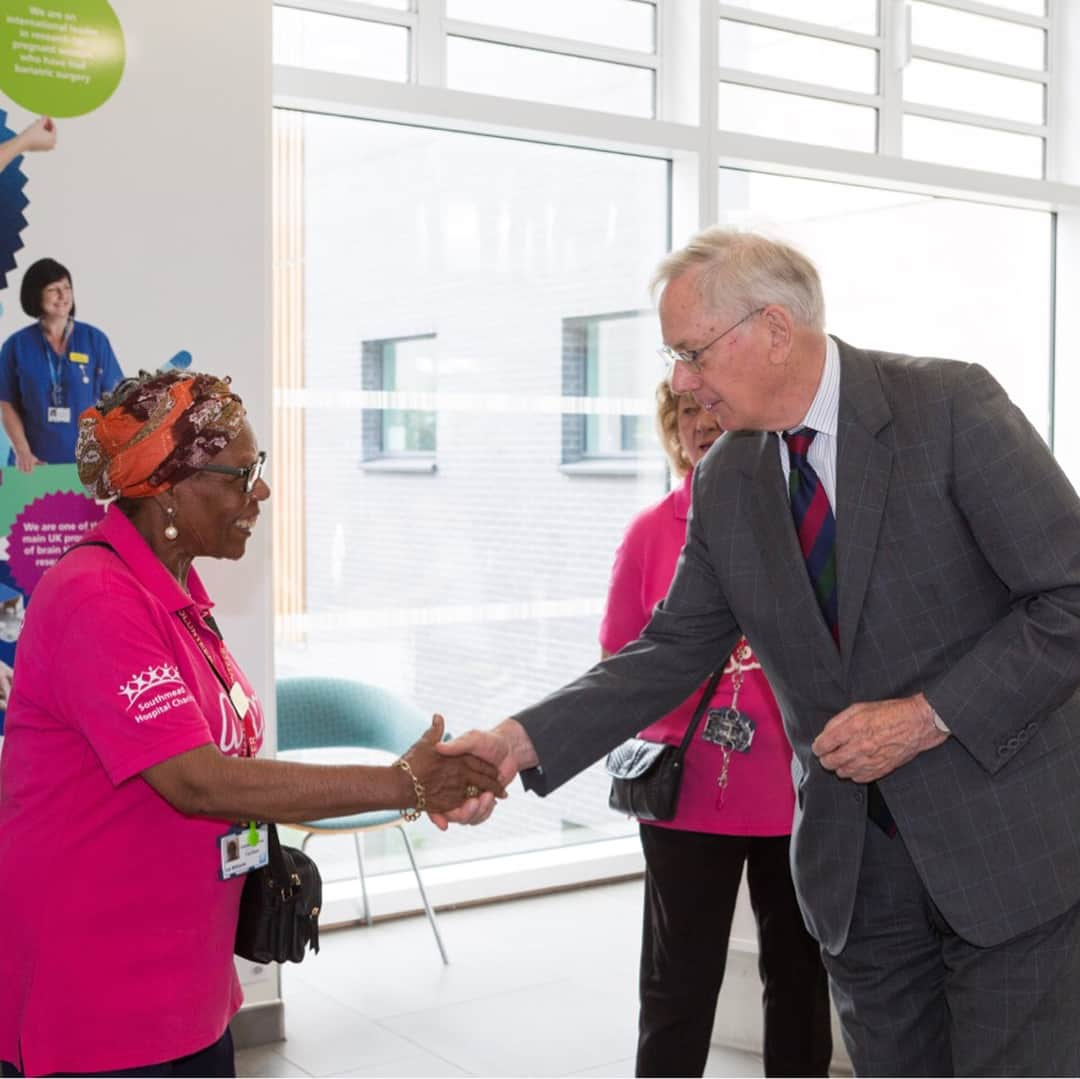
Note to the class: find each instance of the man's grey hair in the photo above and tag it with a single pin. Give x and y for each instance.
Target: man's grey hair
(742, 271)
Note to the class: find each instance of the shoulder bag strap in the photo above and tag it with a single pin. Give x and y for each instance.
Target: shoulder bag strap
(702, 708)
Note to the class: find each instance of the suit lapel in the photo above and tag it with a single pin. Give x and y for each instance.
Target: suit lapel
(774, 532)
(863, 469)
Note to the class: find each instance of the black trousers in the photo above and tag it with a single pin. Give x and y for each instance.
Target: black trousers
(691, 883)
(215, 1061)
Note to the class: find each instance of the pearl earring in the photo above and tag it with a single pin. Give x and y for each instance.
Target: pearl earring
(171, 531)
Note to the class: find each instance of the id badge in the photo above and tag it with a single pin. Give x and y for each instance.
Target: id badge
(729, 729)
(79, 357)
(239, 855)
(59, 415)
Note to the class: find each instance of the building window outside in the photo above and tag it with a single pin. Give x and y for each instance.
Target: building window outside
(400, 368)
(608, 359)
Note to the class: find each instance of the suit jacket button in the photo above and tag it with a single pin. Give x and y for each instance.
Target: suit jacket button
(1003, 751)
(858, 796)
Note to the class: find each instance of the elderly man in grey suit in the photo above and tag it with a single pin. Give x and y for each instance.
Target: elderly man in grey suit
(903, 552)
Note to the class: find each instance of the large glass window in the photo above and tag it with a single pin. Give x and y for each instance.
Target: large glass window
(464, 343)
(626, 24)
(539, 75)
(917, 274)
(476, 588)
(942, 84)
(346, 46)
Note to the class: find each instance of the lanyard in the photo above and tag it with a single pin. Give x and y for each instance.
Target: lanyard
(56, 365)
(56, 392)
(237, 697)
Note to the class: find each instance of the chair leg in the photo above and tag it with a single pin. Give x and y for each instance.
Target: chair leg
(423, 895)
(363, 881)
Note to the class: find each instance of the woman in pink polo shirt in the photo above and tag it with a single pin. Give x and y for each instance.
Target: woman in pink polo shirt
(129, 756)
(735, 808)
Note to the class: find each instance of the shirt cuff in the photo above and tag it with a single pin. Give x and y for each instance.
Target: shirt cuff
(939, 722)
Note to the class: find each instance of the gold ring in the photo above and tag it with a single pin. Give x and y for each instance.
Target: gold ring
(472, 791)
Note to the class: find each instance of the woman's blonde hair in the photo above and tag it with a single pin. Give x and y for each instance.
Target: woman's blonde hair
(667, 427)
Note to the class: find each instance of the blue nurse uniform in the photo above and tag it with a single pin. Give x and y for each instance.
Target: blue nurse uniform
(50, 391)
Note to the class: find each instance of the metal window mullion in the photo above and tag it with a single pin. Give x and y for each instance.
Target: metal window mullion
(797, 26)
(794, 86)
(890, 82)
(1054, 53)
(974, 63)
(428, 51)
(992, 11)
(350, 10)
(708, 162)
(975, 119)
(312, 91)
(521, 39)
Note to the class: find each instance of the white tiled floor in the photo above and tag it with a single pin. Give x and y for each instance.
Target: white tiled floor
(545, 986)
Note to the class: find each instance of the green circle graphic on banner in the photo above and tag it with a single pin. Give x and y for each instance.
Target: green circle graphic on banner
(60, 57)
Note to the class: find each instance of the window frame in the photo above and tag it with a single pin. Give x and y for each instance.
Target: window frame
(374, 452)
(577, 454)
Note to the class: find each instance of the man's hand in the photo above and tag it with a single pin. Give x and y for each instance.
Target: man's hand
(449, 780)
(870, 739)
(506, 746)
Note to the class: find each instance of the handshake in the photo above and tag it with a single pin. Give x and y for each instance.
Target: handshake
(462, 779)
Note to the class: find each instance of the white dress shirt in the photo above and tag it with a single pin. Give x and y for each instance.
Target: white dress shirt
(823, 417)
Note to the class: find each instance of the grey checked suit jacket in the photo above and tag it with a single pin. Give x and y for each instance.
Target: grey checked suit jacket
(958, 564)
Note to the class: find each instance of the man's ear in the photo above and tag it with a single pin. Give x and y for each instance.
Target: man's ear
(781, 329)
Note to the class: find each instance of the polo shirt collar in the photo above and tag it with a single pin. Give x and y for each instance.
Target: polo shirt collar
(680, 504)
(124, 538)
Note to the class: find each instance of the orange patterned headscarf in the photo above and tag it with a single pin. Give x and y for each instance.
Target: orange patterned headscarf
(154, 431)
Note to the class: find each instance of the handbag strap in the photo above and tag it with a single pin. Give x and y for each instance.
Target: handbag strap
(702, 706)
(279, 872)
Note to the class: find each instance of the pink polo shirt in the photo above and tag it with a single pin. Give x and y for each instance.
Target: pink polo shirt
(116, 931)
(759, 798)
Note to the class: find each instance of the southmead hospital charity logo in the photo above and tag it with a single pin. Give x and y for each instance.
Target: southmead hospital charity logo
(154, 691)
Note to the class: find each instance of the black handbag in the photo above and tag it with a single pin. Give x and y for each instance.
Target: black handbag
(646, 776)
(279, 907)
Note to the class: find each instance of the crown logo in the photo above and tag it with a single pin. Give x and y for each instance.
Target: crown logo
(151, 678)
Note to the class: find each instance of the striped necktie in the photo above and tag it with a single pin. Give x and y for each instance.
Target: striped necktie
(815, 525)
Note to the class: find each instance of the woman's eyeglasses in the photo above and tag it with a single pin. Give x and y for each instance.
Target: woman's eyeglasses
(251, 473)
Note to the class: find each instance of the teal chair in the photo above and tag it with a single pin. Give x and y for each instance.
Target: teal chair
(317, 713)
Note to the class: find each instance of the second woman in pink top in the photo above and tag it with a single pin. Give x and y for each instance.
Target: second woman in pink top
(735, 809)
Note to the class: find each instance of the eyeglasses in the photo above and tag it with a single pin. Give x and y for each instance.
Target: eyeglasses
(692, 356)
(251, 473)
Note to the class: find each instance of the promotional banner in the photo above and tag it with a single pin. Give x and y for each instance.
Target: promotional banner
(63, 58)
(42, 514)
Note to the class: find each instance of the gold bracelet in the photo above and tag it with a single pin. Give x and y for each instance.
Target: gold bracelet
(421, 802)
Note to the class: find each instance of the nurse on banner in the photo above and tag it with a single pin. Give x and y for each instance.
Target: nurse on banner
(51, 371)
